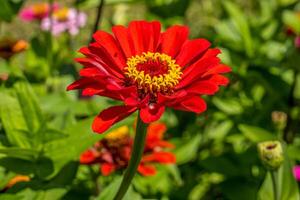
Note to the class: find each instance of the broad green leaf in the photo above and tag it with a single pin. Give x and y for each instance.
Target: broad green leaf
(110, 191)
(163, 179)
(80, 137)
(187, 151)
(13, 122)
(30, 108)
(16, 152)
(256, 134)
(9, 8)
(229, 106)
(240, 21)
(11, 197)
(219, 131)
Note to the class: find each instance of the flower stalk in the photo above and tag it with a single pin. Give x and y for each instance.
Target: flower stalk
(136, 155)
(274, 176)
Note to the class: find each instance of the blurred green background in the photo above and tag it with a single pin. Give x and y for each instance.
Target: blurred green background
(44, 129)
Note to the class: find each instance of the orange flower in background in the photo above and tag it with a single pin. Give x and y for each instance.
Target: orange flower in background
(10, 47)
(15, 180)
(149, 70)
(113, 152)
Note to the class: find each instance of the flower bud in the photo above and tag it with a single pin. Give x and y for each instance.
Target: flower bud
(271, 154)
(279, 119)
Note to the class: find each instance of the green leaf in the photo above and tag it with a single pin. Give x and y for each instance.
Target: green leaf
(109, 192)
(188, 150)
(241, 23)
(13, 122)
(219, 131)
(229, 106)
(15, 152)
(9, 8)
(255, 134)
(29, 106)
(80, 137)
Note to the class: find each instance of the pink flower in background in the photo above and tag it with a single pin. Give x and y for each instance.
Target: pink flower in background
(296, 172)
(37, 11)
(64, 19)
(297, 42)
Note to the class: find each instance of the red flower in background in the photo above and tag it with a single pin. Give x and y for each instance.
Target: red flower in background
(148, 71)
(113, 152)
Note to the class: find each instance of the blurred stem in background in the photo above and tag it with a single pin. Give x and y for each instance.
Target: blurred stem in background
(49, 36)
(274, 176)
(289, 132)
(136, 155)
(98, 18)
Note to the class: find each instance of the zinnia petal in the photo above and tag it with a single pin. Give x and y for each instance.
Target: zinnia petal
(173, 39)
(147, 170)
(107, 169)
(151, 113)
(110, 116)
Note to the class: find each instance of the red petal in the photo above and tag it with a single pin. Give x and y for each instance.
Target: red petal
(91, 63)
(161, 157)
(202, 87)
(108, 42)
(101, 55)
(87, 157)
(146, 170)
(219, 80)
(173, 39)
(195, 71)
(107, 169)
(79, 84)
(90, 72)
(91, 91)
(191, 104)
(191, 50)
(155, 131)
(144, 35)
(122, 36)
(165, 144)
(111, 116)
(150, 114)
(220, 69)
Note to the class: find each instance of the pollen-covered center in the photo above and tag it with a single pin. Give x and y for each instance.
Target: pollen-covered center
(153, 72)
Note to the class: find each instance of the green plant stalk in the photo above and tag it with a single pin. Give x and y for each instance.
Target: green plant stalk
(274, 176)
(49, 36)
(136, 155)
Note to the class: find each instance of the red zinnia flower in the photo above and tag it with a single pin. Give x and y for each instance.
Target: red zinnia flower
(148, 70)
(113, 152)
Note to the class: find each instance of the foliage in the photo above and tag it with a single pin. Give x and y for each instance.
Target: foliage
(44, 129)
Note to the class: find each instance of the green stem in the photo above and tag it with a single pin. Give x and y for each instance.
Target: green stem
(98, 18)
(275, 185)
(49, 36)
(136, 155)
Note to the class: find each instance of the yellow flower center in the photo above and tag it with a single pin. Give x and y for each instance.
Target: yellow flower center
(153, 72)
(117, 134)
(61, 14)
(40, 8)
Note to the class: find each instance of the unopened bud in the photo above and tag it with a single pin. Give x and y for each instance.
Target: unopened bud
(279, 119)
(271, 154)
